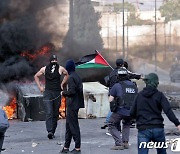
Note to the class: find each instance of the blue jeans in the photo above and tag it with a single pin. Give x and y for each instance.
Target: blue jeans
(148, 135)
(108, 116)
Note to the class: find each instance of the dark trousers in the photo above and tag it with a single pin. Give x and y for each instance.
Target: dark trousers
(112, 126)
(72, 129)
(52, 103)
(2, 132)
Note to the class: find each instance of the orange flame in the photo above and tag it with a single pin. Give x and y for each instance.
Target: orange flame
(44, 50)
(62, 109)
(10, 109)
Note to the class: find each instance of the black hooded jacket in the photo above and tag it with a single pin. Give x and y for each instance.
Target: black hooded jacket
(74, 93)
(147, 109)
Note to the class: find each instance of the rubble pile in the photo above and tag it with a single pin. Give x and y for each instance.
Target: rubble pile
(174, 101)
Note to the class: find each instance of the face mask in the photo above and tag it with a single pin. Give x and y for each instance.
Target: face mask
(53, 63)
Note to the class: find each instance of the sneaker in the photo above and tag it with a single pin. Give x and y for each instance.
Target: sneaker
(3, 149)
(75, 151)
(50, 135)
(104, 127)
(64, 151)
(126, 145)
(107, 133)
(132, 125)
(118, 147)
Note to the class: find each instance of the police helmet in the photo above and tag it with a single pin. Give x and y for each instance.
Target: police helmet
(122, 72)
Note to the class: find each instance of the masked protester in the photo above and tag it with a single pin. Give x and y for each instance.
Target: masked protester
(4, 125)
(51, 92)
(147, 110)
(121, 98)
(75, 101)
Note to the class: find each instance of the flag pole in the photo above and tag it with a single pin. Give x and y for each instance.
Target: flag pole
(104, 59)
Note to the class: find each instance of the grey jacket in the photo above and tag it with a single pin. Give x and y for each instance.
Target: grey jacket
(3, 119)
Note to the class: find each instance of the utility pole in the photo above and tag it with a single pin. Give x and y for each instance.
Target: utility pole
(155, 39)
(170, 43)
(116, 35)
(164, 40)
(123, 46)
(71, 23)
(127, 48)
(108, 30)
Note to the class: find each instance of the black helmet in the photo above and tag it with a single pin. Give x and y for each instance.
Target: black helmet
(122, 72)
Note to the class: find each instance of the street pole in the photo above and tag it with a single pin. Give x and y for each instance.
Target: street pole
(108, 31)
(155, 39)
(123, 46)
(170, 49)
(127, 38)
(116, 35)
(71, 23)
(164, 40)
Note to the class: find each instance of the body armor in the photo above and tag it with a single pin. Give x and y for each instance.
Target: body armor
(129, 93)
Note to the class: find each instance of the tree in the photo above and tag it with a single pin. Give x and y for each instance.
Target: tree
(118, 7)
(86, 36)
(170, 10)
(133, 19)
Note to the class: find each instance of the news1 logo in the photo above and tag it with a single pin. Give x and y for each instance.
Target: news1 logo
(175, 146)
(173, 143)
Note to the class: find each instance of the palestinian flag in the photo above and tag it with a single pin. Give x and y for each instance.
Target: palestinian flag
(92, 61)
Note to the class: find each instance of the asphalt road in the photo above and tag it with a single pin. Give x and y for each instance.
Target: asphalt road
(31, 138)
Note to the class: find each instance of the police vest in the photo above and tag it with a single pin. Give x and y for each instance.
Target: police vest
(128, 94)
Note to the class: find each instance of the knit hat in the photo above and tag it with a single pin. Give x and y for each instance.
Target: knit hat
(53, 57)
(151, 80)
(70, 66)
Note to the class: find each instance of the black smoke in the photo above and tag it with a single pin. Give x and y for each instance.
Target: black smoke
(20, 32)
(24, 28)
(83, 36)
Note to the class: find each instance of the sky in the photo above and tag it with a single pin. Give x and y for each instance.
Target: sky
(144, 5)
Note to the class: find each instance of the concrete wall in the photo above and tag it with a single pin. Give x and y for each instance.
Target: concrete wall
(112, 32)
(149, 15)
